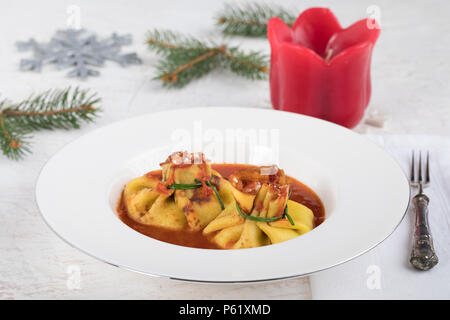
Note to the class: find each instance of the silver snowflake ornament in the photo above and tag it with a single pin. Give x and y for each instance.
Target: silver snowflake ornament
(79, 50)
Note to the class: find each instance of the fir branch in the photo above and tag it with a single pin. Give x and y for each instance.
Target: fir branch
(182, 66)
(165, 42)
(13, 141)
(251, 65)
(250, 19)
(186, 58)
(53, 109)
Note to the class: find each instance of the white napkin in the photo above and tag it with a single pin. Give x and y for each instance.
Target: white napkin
(385, 272)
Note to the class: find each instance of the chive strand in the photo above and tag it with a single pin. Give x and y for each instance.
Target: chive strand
(260, 219)
(209, 184)
(184, 186)
(290, 219)
(286, 210)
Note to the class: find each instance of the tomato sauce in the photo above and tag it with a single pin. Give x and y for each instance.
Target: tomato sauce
(300, 193)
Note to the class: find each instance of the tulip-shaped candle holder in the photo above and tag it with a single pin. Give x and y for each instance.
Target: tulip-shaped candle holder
(320, 69)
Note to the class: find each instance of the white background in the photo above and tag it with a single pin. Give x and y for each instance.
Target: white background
(410, 73)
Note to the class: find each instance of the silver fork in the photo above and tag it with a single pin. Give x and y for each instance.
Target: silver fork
(423, 256)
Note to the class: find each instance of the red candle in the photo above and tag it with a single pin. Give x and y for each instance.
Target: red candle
(320, 69)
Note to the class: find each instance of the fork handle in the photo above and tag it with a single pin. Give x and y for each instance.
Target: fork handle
(423, 256)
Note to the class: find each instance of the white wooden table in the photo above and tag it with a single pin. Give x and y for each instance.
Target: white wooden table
(411, 73)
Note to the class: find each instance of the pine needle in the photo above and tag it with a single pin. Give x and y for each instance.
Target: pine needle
(53, 109)
(14, 141)
(251, 65)
(186, 58)
(251, 19)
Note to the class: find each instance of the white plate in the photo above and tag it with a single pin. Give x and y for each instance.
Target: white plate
(365, 193)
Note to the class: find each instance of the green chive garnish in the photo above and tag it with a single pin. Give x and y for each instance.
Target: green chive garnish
(286, 210)
(184, 186)
(217, 194)
(289, 218)
(261, 219)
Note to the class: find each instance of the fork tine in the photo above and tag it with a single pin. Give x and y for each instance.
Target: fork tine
(420, 166)
(427, 168)
(412, 168)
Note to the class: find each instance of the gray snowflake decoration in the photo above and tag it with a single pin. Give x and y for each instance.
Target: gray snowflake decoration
(79, 50)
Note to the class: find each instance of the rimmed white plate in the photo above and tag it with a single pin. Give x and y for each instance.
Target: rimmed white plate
(365, 193)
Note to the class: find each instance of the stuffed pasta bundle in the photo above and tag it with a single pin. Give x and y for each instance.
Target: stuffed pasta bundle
(189, 194)
(258, 215)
